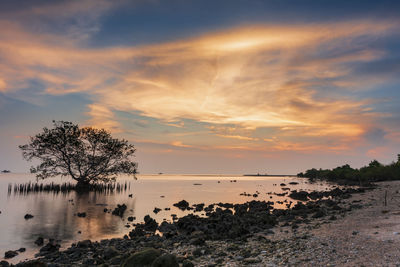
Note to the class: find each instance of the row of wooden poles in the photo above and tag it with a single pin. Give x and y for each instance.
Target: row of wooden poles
(27, 188)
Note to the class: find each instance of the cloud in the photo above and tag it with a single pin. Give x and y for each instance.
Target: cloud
(290, 78)
(103, 117)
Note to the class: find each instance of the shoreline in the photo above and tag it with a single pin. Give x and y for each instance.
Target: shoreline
(344, 237)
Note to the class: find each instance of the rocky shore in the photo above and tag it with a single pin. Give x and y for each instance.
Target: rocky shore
(340, 227)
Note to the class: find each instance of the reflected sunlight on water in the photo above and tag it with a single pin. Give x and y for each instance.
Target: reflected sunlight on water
(55, 214)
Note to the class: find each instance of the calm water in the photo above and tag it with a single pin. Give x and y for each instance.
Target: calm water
(54, 214)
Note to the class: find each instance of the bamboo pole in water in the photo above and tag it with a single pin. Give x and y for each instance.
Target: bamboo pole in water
(29, 187)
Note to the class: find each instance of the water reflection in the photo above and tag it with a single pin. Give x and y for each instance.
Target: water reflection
(55, 214)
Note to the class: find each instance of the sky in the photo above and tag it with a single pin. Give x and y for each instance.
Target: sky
(207, 87)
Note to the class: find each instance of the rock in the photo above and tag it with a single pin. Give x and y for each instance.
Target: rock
(183, 205)
(22, 250)
(319, 214)
(32, 263)
(130, 218)
(49, 248)
(187, 263)
(282, 184)
(166, 260)
(137, 232)
(198, 207)
(156, 210)
(10, 254)
(332, 218)
(39, 241)
(168, 229)
(301, 195)
(119, 210)
(28, 216)
(110, 252)
(197, 241)
(117, 260)
(4, 264)
(84, 244)
(251, 260)
(142, 258)
(81, 214)
(197, 252)
(354, 233)
(88, 262)
(150, 224)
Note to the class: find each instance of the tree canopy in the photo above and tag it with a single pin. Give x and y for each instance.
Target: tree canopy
(85, 154)
(374, 172)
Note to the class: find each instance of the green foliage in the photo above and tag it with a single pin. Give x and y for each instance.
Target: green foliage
(86, 154)
(374, 172)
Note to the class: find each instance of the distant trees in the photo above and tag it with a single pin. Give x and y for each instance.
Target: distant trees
(85, 154)
(375, 171)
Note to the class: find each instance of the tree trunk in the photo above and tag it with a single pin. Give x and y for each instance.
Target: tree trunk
(82, 185)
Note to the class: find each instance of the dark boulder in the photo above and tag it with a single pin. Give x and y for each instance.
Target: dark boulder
(84, 244)
(166, 260)
(110, 252)
(187, 263)
(32, 263)
(299, 195)
(156, 210)
(119, 210)
(183, 205)
(142, 258)
(10, 254)
(81, 214)
(150, 224)
(198, 207)
(50, 247)
(28, 216)
(39, 241)
(137, 232)
(167, 228)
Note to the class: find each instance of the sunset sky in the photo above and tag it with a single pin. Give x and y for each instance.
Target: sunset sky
(207, 86)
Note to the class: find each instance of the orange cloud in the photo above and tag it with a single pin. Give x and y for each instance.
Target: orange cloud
(103, 117)
(263, 76)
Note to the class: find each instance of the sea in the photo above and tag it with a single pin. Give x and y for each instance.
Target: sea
(55, 214)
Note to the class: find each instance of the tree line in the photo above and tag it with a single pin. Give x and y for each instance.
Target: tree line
(373, 172)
